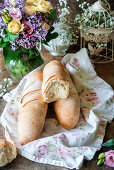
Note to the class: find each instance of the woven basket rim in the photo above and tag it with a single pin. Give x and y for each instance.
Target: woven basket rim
(99, 29)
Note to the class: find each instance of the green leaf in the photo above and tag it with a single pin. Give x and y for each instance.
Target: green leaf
(51, 36)
(50, 30)
(109, 143)
(9, 36)
(52, 15)
(5, 31)
(2, 44)
(9, 54)
(46, 43)
(31, 53)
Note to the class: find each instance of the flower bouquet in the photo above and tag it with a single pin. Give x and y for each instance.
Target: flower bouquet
(24, 25)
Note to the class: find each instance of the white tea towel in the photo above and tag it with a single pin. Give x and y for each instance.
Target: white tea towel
(56, 145)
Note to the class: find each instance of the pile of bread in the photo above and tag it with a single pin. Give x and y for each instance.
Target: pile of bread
(53, 84)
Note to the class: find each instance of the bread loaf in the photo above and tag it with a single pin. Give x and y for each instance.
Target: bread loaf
(7, 152)
(55, 86)
(32, 110)
(68, 110)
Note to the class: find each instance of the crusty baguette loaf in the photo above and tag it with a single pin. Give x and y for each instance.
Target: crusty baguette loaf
(68, 110)
(55, 86)
(32, 110)
(7, 152)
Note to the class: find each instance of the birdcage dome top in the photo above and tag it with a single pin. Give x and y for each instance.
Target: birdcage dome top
(97, 6)
(97, 18)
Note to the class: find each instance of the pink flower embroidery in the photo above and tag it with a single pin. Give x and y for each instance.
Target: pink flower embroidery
(76, 60)
(84, 109)
(68, 152)
(64, 63)
(99, 147)
(101, 132)
(85, 148)
(55, 137)
(63, 150)
(60, 151)
(11, 111)
(75, 134)
(109, 158)
(62, 137)
(80, 148)
(38, 158)
(15, 13)
(90, 96)
(94, 94)
(42, 150)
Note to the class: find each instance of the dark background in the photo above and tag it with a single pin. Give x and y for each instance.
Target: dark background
(111, 2)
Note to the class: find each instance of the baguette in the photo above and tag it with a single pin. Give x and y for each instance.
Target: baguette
(32, 110)
(68, 110)
(55, 86)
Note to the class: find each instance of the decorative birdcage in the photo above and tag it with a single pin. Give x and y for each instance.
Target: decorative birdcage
(96, 32)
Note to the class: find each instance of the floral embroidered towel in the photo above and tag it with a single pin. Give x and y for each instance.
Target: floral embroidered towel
(56, 145)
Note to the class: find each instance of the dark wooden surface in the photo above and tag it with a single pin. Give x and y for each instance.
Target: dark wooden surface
(106, 71)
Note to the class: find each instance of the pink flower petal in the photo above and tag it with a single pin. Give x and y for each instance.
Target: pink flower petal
(109, 158)
(15, 13)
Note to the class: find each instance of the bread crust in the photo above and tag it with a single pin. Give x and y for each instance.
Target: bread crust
(68, 110)
(8, 152)
(33, 109)
(54, 70)
(4, 142)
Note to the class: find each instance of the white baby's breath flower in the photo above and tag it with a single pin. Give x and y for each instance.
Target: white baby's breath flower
(10, 83)
(7, 82)
(4, 90)
(9, 79)
(5, 79)
(1, 94)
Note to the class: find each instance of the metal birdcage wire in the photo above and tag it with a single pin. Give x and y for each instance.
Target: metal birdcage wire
(91, 31)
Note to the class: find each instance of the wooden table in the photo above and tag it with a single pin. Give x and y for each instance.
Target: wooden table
(105, 71)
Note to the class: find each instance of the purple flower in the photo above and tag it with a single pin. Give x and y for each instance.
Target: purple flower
(28, 29)
(14, 46)
(33, 30)
(1, 7)
(7, 3)
(2, 23)
(20, 4)
(15, 13)
(109, 158)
